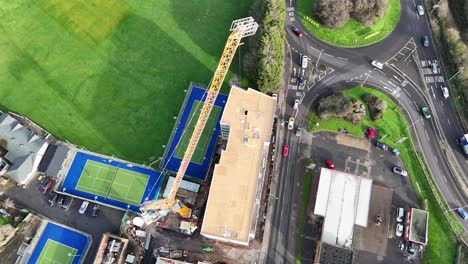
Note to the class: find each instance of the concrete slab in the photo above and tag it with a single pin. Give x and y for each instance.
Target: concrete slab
(374, 238)
(360, 143)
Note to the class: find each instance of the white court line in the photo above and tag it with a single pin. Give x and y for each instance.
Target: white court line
(130, 186)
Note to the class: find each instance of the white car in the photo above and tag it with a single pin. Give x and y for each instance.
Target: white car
(296, 104)
(400, 171)
(291, 123)
(400, 214)
(377, 64)
(83, 207)
(445, 92)
(304, 61)
(435, 67)
(420, 10)
(399, 230)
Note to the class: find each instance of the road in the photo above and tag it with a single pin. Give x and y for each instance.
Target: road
(405, 59)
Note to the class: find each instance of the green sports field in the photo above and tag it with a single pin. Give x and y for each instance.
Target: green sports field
(56, 253)
(110, 75)
(205, 138)
(112, 182)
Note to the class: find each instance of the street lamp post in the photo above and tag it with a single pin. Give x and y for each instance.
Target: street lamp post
(435, 6)
(414, 123)
(461, 69)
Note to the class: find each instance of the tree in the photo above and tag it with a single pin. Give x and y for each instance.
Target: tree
(333, 13)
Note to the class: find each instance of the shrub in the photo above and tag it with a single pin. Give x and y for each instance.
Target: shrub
(375, 106)
(335, 105)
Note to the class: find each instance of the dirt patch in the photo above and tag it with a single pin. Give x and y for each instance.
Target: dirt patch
(354, 142)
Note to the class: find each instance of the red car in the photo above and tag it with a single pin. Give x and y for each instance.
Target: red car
(371, 132)
(285, 150)
(45, 186)
(330, 165)
(297, 31)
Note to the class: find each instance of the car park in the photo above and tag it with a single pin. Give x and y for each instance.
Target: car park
(296, 104)
(298, 132)
(330, 165)
(425, 41)
(52, 199)
(297, 31)
(370, 132)
(94, 211)
(434, 68)
(420, 10)
(400, 213)
(425, 112)
(377, 64)
(400, 171)
(83, 207)
(462, 213)
(304, 60)
(445, 92)
(285, 150)
(45, 186)
(291, 123)
(381, 145)
(399, 230)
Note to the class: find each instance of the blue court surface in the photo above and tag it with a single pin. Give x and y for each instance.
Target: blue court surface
(59, 245)
(148, 187)
(194, 170)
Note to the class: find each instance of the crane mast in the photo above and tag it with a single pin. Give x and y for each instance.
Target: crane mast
(240, 28)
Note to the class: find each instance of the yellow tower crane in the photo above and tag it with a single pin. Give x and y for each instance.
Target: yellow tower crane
(240, 28)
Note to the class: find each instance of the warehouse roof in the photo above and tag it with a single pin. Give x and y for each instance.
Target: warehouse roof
(231, 209)
(343, 199)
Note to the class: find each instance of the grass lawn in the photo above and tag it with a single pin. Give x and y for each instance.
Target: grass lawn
(353, 33)
(442, 242)
(6, 220)
(110, 74)
(305, 199)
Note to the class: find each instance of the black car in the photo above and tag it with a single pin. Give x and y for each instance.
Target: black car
(60, 200)
(381, 145)
(95, 210)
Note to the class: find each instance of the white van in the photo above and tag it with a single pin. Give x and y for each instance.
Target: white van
(304, 61)
(296, 104)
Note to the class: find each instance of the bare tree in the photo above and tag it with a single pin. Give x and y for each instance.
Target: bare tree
(333, 13)
(9, 203)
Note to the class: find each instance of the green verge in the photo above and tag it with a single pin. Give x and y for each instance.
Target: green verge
(110, 75)
(353, 33)
(442, 242)
(305, 199)
(6, 220)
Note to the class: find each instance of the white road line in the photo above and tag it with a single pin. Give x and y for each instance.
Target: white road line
(396, 78)
(381, 72)
(448, 120)
(407, 93)
(437, 161)
(415, 105)
(328, 55)
(441, 102)
(342, 58)
(382, 81)
(392, 84)
(444, 178)
(427, 135)
(458, 202)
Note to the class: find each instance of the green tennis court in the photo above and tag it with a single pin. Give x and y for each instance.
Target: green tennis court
(112, 182)
(205, 138)
(56, 253)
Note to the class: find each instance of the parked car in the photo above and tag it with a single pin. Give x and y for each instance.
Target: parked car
(67, 203)
(83, 207)
(285, 150)
(435, 68)
(399, 230)
(330, 165)
(301, 81)
(304, 60)
(445, 92)
(377, 64)
(60, 200)
(381, 145)
(296, 104)
(425, 41)
(420, 10)
(400, 171)
(52, 198)
(291, 123)
(297, 31)
(298, 132)
(400, 213)
(425, 112)
(94, 211)
(462, 213)
(46, 186)
(370, 132)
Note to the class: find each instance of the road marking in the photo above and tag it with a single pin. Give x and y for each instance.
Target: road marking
(415, 105)
(445, 178)
(448, 120)
(441, 102)
(392, 84)
(396, 78)
(407, 93)
(433, 94)
(342, 58)
(328, 55)
(381, 72)
(458, 202)
(427, 135)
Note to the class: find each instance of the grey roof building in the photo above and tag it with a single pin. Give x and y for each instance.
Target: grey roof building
(22, 150)
(52, 161)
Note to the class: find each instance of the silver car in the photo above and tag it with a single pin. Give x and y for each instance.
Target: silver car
(420, 10)
(400, 171)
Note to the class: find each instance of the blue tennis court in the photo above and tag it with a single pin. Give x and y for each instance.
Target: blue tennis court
(198, 169)
(60, 245)
(105, 180)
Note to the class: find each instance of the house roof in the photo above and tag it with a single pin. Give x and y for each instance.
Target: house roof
(53, 159)
(22, 145)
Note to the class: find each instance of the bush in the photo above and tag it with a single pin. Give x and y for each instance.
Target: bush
(335, 105)
(375, 106)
